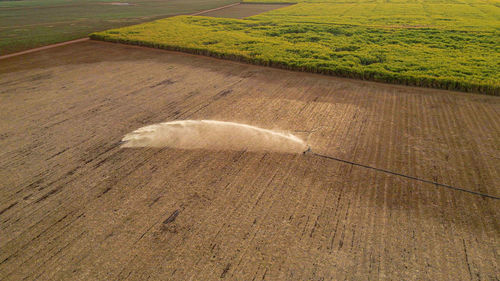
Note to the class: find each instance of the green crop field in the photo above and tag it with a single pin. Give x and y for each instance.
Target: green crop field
(25, 24)
(441, 44)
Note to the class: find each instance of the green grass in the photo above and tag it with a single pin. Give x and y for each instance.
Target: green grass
(451, 45)
(32, 23)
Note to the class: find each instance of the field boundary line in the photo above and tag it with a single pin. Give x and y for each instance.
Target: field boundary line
(215, 9)
(402, 175)
(44, 48)
(271, 3)
(88, 38)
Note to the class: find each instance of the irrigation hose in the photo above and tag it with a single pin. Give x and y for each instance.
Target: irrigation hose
(309, 151)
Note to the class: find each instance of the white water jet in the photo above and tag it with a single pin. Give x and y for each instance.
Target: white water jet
(213, 135)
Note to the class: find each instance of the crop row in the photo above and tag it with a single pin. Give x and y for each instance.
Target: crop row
(414, 50)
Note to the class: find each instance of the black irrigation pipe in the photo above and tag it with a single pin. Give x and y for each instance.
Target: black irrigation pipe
(401, 175)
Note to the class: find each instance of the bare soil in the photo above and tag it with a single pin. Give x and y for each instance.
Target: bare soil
(242, 10)
(76, 206)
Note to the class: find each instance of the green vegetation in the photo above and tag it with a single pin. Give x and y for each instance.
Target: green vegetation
(442, 44)
(27, 24)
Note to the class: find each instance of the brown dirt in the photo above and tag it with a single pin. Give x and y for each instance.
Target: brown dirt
(242, 10)
(76, 206)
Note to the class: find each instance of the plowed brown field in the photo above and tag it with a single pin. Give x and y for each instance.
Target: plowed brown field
(76, 206)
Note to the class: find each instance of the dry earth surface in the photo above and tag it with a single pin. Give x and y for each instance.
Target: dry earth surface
(76, 206)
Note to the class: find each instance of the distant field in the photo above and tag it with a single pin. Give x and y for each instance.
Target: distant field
(243, 10)
(377, 1)
(441, 44)
(32, 23)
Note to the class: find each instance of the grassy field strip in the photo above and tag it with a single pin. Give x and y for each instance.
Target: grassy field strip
(438, 44)
(443, 45)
